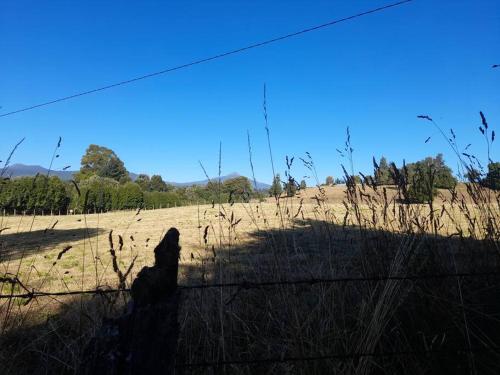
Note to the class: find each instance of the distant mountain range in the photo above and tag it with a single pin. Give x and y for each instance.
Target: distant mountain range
(22, 170)
(260, 185)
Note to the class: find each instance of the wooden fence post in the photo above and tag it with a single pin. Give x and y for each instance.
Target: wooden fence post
(144, 339)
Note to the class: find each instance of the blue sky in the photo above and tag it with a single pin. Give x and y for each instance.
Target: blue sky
(374, 74)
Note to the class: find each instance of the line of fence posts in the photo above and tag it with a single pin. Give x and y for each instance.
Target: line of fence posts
(70, 211)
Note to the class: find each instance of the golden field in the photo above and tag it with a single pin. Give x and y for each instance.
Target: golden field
(30, 245)
(331, 232)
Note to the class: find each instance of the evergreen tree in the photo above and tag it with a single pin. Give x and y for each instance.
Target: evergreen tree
(290, 187)
(96, 194)
(422, 183)
(339, 181)
(492, 179)
(303, 185)
(276, 188)
(129, 196)
(444, 175)
(39, 193)
(382, 173)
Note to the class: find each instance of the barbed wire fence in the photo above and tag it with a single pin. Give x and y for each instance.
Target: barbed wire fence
(30, 295)
(242, 285)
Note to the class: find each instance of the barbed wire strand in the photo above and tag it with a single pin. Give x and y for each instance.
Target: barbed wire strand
(264, 284)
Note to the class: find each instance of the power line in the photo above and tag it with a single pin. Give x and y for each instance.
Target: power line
(214, 57)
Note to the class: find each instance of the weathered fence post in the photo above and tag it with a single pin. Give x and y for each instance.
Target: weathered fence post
(144, 339)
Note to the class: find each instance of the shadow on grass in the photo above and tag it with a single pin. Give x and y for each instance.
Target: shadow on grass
(441, 325)
(16, 245)
(435, 321)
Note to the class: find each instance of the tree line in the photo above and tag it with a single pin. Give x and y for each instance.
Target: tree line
(104, 184)
(423, 178)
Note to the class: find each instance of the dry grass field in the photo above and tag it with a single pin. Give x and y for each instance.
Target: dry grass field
(30, 245)
(329, 232)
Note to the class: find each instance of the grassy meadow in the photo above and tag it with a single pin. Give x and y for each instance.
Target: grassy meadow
(31, 244)
(325, 232)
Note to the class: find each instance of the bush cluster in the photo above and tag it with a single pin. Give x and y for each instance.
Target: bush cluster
(42, 194)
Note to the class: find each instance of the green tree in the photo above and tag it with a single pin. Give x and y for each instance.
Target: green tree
(276, 189)
(129, 196)
(422, 182)
(103, 162)
(473, 175)
(290, 187)
(339, 181)
(157, 199)
(237, 188)
(39, 193)
(492, 179)
(443, 175)
(303, 185)
(58, 195)
(157, 183)
(382, 173)
(96, 194)
(329, 181)
(144, 182)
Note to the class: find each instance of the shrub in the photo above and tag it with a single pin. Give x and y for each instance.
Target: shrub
(276, 189)
(97, 194)
(422, 187)
(39, 193)
(492, 179)
(129, 196)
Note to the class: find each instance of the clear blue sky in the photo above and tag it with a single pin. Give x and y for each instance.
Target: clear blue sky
(374, 74)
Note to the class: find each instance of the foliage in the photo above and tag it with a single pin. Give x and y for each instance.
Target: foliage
(144, 182)
(382, 173)
(291, 187)
(128, 196)
(96, 195)
(239, 189)
(422, 183)
(158, 199)
(443, 176)
(103, 162)
(329, 181)
(276, 189)
(492, 179)
(339, 181)
(39, 193)
(157, 183)
(303, 184)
